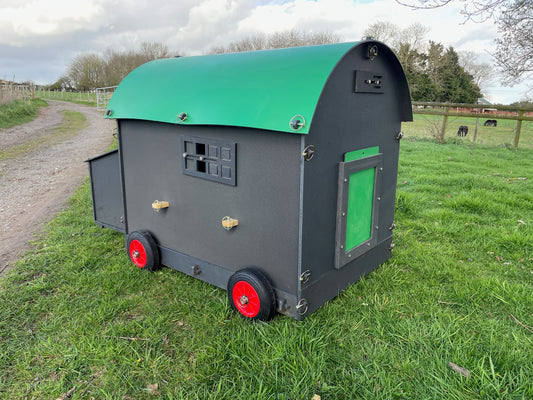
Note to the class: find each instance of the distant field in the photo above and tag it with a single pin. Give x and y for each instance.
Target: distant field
(425, 126)
(75, 97)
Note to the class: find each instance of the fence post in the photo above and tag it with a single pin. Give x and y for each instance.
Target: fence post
(518, 128)
(444, 124)
(475, 132)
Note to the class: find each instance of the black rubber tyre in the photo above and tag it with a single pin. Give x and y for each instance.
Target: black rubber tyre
(251, 294)
(143, 250)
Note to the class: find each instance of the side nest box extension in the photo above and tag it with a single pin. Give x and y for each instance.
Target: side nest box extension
(271, 174)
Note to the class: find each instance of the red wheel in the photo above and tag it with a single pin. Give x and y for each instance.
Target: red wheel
(138, 253)
(246, 299)
(143, 250)
(250, 293)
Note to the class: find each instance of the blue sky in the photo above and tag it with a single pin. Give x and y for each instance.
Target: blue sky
(38, 38)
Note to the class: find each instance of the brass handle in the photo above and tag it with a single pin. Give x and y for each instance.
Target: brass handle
(229, 223)
(159, 205)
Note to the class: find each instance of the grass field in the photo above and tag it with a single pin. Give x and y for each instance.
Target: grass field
(78, 321)
(88, 99)
(19, 111)
(427, 126)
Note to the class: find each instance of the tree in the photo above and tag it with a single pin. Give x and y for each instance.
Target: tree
(90, 71)
(119, 64)
(86, 71)
(383, 31)
(433, 72)
(290, 38)
(438, 76)
(407, 43)
(63, 83)
(514, 18)
(514, 53)
(458, 84)
(482, 73)
(153, 51)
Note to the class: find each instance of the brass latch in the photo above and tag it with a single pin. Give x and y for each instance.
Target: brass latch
(159, 205)
(229, 223)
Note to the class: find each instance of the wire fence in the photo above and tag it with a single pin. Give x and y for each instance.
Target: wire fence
(80, 97)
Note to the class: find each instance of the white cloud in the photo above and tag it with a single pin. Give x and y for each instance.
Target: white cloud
(19, 22)
(38, 36)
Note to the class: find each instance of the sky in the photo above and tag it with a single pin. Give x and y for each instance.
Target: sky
(39, 38)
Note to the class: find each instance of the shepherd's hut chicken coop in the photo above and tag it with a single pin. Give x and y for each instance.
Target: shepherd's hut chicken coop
(271, 174)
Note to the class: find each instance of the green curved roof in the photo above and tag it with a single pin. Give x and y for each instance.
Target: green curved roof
(259, 89)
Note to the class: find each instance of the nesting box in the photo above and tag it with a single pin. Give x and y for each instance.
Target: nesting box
(271, 174)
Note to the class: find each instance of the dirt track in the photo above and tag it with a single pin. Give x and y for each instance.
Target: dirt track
(34, 187)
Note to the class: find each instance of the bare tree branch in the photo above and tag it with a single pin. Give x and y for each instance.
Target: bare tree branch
(514, 18)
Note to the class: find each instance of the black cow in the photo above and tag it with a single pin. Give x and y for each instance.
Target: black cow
(463, 131)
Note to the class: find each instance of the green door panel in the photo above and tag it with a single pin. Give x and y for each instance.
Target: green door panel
(360, 201)
(357, 204)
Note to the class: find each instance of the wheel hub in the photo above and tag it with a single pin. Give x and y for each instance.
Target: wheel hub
(244, 300)
(135, 254)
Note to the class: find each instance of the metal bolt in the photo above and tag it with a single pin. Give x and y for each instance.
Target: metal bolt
(304, 277)
(372, 52)
(302, 306)
(243, 300)
(379, 198)
(182, 116)
(196, 270)
(297, 122)
(135, 254)
(309, 152)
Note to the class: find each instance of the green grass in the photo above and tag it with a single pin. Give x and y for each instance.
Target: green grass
(19, 111)
(88, 99)
(76, 316)
(72, 123)
(427, 126)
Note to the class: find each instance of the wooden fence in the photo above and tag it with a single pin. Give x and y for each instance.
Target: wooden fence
(483, 111)
(89, 97)
(10, 91)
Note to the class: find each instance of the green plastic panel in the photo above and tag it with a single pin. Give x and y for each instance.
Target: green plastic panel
(358, 154)
(360, 200)
(260, 89)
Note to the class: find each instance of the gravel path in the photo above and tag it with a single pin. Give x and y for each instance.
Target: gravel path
(34, 187)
